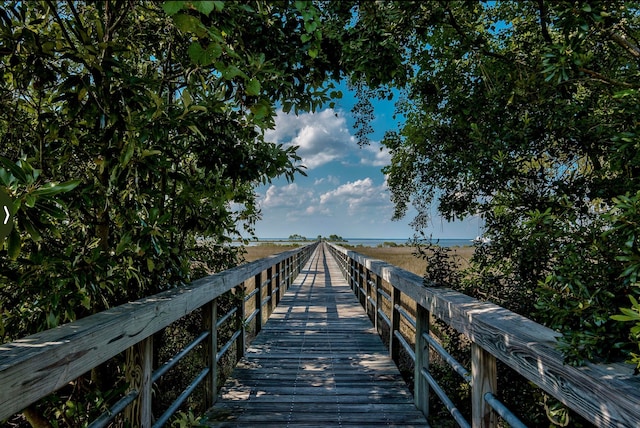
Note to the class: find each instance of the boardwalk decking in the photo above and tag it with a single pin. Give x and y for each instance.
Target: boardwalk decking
(317, 362)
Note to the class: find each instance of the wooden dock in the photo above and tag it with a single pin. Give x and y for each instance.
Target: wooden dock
(317, 362)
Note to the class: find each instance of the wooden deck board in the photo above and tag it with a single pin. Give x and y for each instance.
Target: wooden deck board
(317, 362)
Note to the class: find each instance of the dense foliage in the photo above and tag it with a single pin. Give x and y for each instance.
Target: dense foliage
(127, 133)
(525, 114)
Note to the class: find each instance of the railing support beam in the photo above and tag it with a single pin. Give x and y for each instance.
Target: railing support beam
(270, 292)
(394, 345)
(378, 307)
(421, 385)
(367, 280)
(240, 341)
(139, 369)
(258, 301)
(278, 276)
(210, 318)
(484, 378)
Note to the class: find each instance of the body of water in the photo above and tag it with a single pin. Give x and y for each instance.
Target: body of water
(370, 242)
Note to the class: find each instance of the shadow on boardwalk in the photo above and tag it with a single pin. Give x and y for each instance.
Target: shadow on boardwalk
(317, 362)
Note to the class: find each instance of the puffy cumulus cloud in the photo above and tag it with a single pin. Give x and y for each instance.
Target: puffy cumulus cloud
(318, 210)
(375, 154)
(282, 196)
(330, 179)
(322, 137)
(357, 196)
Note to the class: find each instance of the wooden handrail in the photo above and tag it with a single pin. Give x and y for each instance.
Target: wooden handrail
(38, 365)
(606, 395)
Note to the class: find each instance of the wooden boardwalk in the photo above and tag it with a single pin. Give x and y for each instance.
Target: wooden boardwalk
(317, 362)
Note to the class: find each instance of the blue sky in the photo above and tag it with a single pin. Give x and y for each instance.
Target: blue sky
(345, 191)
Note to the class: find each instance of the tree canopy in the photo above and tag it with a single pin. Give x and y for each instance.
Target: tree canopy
(131, 130)
(525, 114)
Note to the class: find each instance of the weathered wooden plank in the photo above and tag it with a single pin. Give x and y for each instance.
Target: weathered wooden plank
(317, 362)
(338, 417)
(35, 366)
(315, 407)
(606, 395)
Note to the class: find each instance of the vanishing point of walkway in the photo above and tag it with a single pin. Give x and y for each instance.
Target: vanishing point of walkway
(318, 362)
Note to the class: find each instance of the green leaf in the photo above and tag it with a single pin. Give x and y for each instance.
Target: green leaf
(623, 318)
(231, 72)
(30, 200)
(260, 111)
(172, 7)
(195, 130)
(15, 170)
(310, 26)
(14, 244)
(145, 153)
(189, 24)
(123, 244)
(202, 56)
(204, 7)
(54, 189)
(52, 211)
(33, 231)
(253, 87)
(127, 154)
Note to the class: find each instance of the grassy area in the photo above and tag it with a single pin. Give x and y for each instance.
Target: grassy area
(403, 257)
(263, 250)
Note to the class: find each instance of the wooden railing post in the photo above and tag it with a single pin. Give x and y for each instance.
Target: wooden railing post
(394, 344)
(353, 280)
(279, 295)
(278, 284)
(286, 273)
(210, 318)
(378, 288)
(258, 301)
(361, 297)
(139, 368)
(241, 340)
(367, 280)
(421, 386)
(270, 291)
(483, 379)
(277, 275)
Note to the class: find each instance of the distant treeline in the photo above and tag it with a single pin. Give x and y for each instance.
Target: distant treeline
(332, 238)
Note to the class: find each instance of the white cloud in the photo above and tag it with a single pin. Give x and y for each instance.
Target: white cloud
(283, 196)
(330, 179)
(357, 197)
(322, 137)
(354, 198)
(378, 155)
